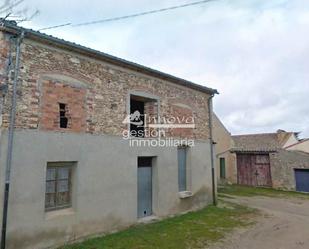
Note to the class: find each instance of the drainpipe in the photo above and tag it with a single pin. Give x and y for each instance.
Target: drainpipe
(10, 142)
(210, 113)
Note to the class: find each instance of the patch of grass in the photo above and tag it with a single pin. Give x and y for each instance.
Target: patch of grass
(239, 190)
(191, 230)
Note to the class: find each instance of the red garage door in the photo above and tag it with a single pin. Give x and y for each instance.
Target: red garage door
(253, 169)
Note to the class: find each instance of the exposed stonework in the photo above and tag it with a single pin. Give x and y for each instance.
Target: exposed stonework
(283, 164)
(4, 51)
(106, 90)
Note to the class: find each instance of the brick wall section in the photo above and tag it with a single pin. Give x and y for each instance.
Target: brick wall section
(53, 93)
(106, 93)
(283, 164)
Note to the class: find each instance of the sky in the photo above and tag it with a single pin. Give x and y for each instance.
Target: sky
(255, 52)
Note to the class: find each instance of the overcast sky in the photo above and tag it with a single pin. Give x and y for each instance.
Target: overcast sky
(255, 52)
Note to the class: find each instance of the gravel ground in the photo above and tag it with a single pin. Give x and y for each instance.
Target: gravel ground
(283, 225)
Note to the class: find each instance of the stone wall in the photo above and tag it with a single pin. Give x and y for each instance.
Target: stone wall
(104, 93)
(283, 164)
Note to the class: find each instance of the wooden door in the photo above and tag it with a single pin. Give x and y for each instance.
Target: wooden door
(253, 169)
(244, 174)
(262, 170)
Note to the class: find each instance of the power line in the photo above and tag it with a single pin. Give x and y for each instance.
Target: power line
(141, 13)
(57, 26)
(129, 16)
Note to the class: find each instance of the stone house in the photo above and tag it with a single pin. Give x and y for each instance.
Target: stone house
(66, 158)
(261, 159)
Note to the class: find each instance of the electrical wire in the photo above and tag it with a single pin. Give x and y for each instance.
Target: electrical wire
(56, 26)
(128, 16)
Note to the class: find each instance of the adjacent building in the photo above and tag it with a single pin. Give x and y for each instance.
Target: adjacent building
(225, 160)
(75, 148)
(278, 160)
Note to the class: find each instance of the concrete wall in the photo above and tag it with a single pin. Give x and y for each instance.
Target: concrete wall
(104, 185)
(282, 166)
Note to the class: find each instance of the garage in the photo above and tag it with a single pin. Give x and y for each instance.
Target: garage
(302, 180)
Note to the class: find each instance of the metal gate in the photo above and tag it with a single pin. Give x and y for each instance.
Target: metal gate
(302, 180)
(144, 187)
(253, 169)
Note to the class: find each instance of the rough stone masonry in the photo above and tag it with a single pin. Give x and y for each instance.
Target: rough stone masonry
(96, 92)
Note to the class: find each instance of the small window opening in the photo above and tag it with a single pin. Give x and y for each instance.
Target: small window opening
(62, 116)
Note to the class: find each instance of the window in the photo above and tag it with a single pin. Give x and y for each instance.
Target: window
(222, 168)
(58, 186)
(182, 168)
(62, 115)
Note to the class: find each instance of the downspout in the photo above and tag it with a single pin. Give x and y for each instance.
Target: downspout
(210, 113)
(10, 142)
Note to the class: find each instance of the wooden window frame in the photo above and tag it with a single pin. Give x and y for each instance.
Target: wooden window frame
(56, 180)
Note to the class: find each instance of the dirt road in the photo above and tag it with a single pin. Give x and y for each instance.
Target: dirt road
(285, 225)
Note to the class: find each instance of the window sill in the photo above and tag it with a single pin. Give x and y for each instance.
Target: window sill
(49, 215)
(185, 194)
